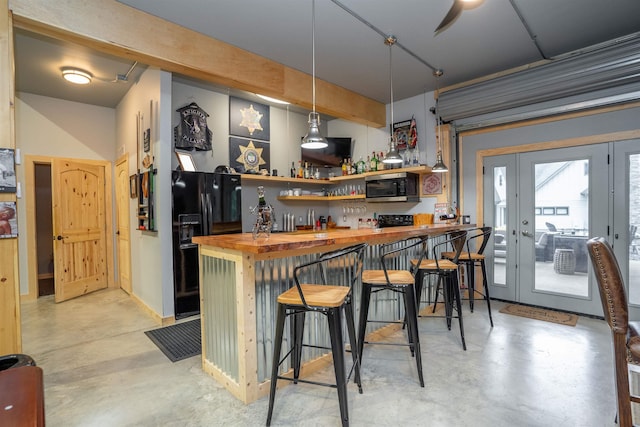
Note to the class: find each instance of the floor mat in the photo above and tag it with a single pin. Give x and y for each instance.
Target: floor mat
(179, 341)
(540, 314)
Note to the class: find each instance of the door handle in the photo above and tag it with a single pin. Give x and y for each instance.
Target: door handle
(526, 233)
(58, 237)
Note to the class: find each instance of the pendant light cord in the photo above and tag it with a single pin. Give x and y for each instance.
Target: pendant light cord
(390, 41)
(313, 52)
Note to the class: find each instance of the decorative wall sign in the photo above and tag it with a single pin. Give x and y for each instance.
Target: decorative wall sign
(430, 184)
(402, 132)
(192, 132)
(246, 155)
(133, 186)
(8, 220)
(7, 171)
(248, 119)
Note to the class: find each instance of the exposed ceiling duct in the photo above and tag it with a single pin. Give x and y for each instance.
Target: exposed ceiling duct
(615, 66)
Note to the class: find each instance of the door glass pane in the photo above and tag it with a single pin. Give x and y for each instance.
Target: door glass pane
(634, 225)
(500, 225)
(562, 227)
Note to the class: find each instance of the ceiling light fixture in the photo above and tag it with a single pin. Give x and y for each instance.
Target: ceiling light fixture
(76, 76)
(392, 156)
(313, 139)
(274, 100)
(439, 167)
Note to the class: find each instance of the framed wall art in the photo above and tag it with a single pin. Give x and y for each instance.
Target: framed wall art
(430, 184)
(249, 119)
(8, 220)
(246, 155)
(133, 186)
(7, 171)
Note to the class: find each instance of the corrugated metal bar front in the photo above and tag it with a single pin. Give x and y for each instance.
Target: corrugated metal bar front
(221, 333)
(611, 67)
(276, 276)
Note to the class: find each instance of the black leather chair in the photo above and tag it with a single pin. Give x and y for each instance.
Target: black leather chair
(625, 334)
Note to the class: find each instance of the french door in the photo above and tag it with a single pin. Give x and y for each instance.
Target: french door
(626, 229)
(544, 206)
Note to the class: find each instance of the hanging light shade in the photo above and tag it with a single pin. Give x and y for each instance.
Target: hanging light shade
(392, 157)
(439, 167)
(313, 139)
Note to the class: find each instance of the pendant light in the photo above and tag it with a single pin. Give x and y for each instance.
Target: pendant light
(313, 139)
(439, 167)
(392, 156)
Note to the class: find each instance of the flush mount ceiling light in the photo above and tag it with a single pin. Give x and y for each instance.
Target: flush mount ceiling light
(76, 76)
(392, 156)
(274, 100)
(313, 139)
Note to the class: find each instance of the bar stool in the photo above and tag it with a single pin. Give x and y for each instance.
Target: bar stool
(395, 280)
(445, 271)
(325, 299)
(477, 239)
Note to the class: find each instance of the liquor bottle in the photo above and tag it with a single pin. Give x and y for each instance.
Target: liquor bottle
(381, 161)
(344, 166)
(293, 170)
(360, 166)
(300, 171)
(306, 170)
(374, 163)
(367, 164)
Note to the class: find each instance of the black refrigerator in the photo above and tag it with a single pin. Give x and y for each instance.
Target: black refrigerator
(203, 204)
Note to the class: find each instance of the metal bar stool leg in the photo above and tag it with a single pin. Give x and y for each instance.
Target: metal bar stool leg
(337, 349)
(348, 311)
(362, 322)
(277, 343)
(412, 326)
(456, 296)
(486, 289)
(297, 334)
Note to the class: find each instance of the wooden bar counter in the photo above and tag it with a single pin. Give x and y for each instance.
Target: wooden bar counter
(240, 279)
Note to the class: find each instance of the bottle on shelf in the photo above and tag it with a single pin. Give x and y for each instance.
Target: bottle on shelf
(374, 162)
(306, 170)
(367, 164)
(300, 171)
(293, 170)
(316, 173)
(360, 166)
(344, 167)
(381, 161)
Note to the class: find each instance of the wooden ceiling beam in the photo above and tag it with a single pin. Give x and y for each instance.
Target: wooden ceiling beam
(120, 30)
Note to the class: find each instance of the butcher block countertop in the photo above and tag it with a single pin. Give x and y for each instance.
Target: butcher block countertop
(294, 241)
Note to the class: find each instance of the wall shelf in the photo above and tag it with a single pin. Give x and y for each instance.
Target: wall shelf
(326, 181)
(320, 198)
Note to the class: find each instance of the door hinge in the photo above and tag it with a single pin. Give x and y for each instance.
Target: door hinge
(607, 230)
(482, 170)
(608, 159)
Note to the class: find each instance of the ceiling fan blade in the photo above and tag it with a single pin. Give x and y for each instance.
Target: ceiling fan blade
(452, 15)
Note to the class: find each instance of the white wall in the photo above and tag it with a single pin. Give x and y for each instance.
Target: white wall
(151, 272)
(53, 127)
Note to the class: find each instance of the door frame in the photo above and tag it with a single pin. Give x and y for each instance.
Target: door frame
(30, 162)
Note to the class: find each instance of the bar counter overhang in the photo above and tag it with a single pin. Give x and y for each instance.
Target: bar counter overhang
(240, 280)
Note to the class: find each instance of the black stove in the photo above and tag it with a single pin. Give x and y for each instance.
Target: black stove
(394, 220)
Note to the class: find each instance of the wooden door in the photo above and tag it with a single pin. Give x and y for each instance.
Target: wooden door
(123, 248)
(79, 228)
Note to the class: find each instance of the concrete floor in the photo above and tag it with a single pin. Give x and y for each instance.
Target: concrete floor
(101, 370)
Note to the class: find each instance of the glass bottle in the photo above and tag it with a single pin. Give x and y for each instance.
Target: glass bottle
(300, 171)
(344, 166)
(374, 162)
(293, 170)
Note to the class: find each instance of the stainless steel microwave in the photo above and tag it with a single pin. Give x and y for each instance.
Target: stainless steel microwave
(392, 187)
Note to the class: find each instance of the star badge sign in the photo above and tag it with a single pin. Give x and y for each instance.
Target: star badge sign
(251, 157)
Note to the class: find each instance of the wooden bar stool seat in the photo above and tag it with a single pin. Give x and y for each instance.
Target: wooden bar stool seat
(446, 274)
(395, 280)
(330, 300)
(472, 257)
